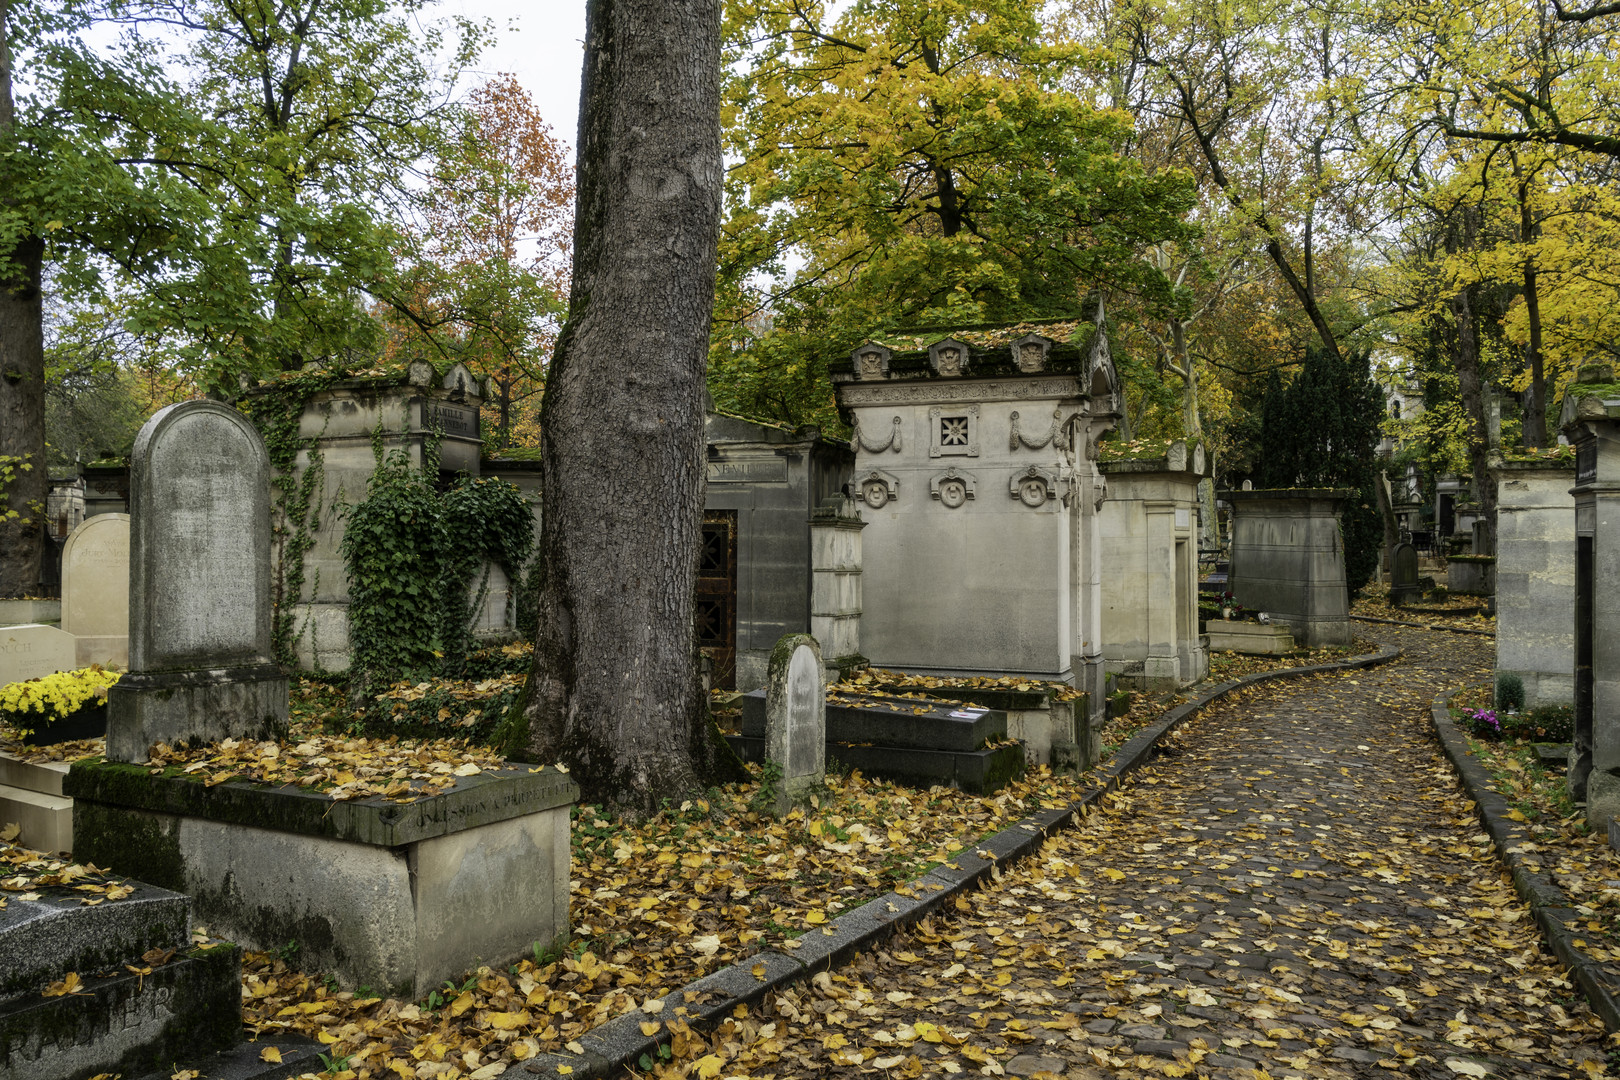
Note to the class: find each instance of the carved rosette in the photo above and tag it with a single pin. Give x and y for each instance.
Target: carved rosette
(953, 488)
(955, 431)
(877, 488)
(1034, 486)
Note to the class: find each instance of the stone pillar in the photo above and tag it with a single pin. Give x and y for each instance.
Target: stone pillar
(1288, 560)
(1591, 420)
(1085, 547)
(1535, 561)
(1149, 544)
(835, 583)
(200, 657)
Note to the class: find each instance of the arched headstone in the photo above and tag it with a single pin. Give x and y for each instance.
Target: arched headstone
(796, 718)
(200, 655)
(1404, 574)
(95, 589)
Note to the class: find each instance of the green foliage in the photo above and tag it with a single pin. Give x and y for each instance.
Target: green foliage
(1544, 723)
(440, 712)
(392, 549)
(1509, 692)
(413, 557)
(296, 510)
(1321, 431)
(927, 165)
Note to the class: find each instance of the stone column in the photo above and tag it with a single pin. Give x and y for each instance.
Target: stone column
(1591, 420)
(1535, 560)
(835, 585)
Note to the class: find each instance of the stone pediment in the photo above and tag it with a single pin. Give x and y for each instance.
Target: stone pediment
(949, 357)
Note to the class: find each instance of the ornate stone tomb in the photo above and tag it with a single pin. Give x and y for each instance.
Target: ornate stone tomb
(975, 468)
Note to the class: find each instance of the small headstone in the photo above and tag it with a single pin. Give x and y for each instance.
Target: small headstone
(32, 650)
(200, 655)
(95, 589)
(796, 718)
(1404, 586)
(1248, 485)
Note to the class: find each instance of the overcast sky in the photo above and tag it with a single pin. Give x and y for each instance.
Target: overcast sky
(541, 42)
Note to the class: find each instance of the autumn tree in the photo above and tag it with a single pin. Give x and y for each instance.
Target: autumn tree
(615, 690)
(495, 242)
(911, 162)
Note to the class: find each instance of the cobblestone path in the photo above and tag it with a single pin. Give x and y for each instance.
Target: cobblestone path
(1297, 888)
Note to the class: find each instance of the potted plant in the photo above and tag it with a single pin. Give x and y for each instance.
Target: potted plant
(58, 708)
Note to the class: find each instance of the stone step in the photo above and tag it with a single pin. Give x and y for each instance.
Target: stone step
(902, 723)
(44, 939)
(45, 777)
(45, 821)
(120, 1021)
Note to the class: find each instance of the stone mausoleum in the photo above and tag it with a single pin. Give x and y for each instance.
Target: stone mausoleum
(975, 466)
(415, 410)
(757, 568)
(1149, 529)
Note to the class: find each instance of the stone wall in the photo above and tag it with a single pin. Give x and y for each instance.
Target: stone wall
(1148, 529)
(1535, 577)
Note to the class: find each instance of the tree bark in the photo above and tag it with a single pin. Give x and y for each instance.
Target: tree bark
(615, 690)
(1470, 383)
(22, 386)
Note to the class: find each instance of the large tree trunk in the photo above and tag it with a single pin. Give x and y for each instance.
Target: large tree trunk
(22, 388)
(615, 689)
(1471, 385)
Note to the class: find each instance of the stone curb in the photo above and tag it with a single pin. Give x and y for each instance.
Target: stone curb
(1424, 625)
(1549, 906)
(620, 1043)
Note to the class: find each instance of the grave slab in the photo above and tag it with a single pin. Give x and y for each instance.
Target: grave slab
(910, 723)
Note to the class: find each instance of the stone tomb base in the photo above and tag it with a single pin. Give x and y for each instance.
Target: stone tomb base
(203, 706)
(913, 740)
(1249, 638)
(396, 896)
(31, 798)
(1055, 732)
(118, 1020)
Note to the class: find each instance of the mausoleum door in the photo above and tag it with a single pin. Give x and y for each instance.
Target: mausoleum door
(715, 602)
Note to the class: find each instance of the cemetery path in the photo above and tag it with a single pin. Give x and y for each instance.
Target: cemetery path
(1295, 889)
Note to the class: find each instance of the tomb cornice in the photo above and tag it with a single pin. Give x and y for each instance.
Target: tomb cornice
(1065, 389)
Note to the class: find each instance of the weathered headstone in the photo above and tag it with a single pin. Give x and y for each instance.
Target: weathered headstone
(95, 589)
(33, 649)
(1404, 575)
(796, 718)
(200, 656)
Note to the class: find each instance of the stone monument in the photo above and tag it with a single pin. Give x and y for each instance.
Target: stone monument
(975, 462)
(1288, 561)
(835, 583)
(1535, 576)
(1403, 587)
(200, 658)
(95, 589)
(1591, 420)
(34, 649)
(1149, 544)
(796, 718)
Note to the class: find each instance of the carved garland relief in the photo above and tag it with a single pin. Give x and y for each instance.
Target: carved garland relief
(1054, 435)
(891, 443)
